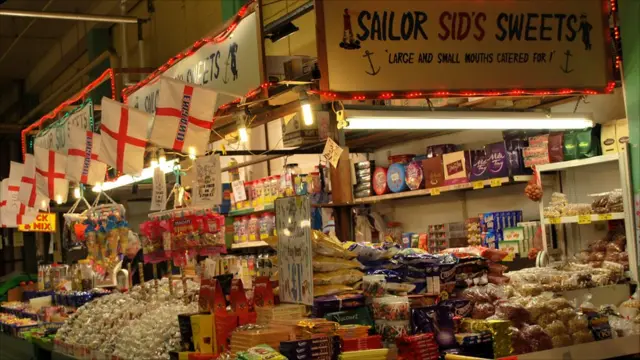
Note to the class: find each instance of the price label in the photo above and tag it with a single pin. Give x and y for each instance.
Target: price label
(478, 185)
(604, 217)
(496, 182)
(555, 220)
(263, 236)
(238, 190)
(584, 219)
(435, 191)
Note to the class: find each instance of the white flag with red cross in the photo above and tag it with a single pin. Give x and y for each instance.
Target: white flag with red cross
(14, 213)
(84, 163)
(29, 193)
(124, 136)
(50, 174)
(184, 117)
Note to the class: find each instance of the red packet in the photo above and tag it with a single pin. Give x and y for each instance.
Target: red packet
(263, 293)
(238, 298)
(207, 290)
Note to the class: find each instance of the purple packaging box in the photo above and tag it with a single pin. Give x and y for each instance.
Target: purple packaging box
(497, 160)
(479, 165)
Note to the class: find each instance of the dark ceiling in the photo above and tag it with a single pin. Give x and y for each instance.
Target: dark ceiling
(18, 55)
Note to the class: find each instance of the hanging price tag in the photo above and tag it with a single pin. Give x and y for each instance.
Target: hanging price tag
(238, 190)
(604, 216)
(332, 152)
(584, 219)
(496, 182)
(478, 185)
(555, 220)
(435, 191)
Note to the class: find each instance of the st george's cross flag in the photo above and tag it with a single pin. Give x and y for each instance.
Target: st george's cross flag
(184, 117)
(29, 194)
(13, 212)
(124, 136)
(50, 174)
(84, 163)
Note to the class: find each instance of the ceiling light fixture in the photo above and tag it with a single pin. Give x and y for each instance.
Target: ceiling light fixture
(458, 120)
(282, 32)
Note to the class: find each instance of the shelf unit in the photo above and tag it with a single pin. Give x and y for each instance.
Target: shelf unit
(249, 211)
(583, 219)
(249, 244)
(476, 185)
(623, 169)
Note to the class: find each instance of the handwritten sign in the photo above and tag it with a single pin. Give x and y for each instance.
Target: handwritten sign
(159, 196)
(295, 252)
(460, 46)
(208, 187)
(58, 135)
(239, 193)
(332, 152)
(434, 192)
(605, 217)
(231, 67)
(555, 220)
(496, 182)
(478, 185)
(45, 222)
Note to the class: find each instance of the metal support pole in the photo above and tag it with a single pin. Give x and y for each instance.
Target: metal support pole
(69, 16)
(123, 39)
(141, 49)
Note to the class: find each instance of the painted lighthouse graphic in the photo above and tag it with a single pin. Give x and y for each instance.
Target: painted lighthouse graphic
(348, 40)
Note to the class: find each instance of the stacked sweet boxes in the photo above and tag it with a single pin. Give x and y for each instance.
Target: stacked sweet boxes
(492, 224)
(417, 347)
(322, 348)
(363, 174)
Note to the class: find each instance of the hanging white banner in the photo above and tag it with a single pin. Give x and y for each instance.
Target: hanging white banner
(159, 197)
(58, 136)
(232, 68)
(208, 183)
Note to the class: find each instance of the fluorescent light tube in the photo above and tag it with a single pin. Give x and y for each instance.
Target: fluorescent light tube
(457, 120)
(124, 180)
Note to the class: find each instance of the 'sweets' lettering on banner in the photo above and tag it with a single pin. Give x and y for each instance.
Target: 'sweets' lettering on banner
(463, 45)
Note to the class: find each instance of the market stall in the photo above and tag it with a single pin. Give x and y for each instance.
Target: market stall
(380, 211)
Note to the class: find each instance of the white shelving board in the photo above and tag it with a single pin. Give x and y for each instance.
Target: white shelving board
(578, 179)
(583, 219)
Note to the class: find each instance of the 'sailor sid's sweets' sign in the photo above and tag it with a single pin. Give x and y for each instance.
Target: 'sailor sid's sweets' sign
(463, 45)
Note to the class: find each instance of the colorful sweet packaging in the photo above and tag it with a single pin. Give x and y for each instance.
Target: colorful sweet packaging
(396, 176)
(414, 175)
(479, 165)
(456, 166)
(497, 160)
(433, 170)
(380, 186)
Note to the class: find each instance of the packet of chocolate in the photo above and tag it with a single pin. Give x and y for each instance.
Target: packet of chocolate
(497, 160)
(556, 152)
(588, 142)
(479, 165)
(570, 146)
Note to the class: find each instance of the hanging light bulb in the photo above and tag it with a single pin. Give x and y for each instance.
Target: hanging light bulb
(76, 192)
(44, 204)
(243, 135)
(162, 158)
(59, 199)
(192, 152)
(305, 106)
(97, 188)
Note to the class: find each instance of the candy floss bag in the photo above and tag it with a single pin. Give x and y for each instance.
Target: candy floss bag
(212, 235)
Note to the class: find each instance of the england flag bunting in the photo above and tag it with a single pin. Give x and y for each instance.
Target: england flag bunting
(124, 136)
(29, 194)
(50, 174)
(184, 116)
(83, 163)
(12, 212)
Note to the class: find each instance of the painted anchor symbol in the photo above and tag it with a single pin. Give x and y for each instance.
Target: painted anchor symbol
(566, 69)
(374, 72)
